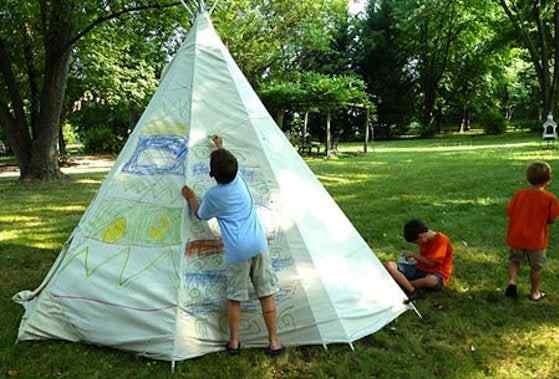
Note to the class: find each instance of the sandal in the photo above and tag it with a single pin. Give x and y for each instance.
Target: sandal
(536, 299)
(232, 351)
(511, 291)
(274, 352)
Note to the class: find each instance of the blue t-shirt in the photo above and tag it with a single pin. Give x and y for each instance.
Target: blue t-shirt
(232, 205)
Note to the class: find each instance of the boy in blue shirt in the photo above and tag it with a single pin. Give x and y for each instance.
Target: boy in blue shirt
(245, 246)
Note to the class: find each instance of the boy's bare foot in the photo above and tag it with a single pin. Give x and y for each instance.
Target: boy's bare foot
(536, 297)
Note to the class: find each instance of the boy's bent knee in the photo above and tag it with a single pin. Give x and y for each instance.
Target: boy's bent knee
(434, 282)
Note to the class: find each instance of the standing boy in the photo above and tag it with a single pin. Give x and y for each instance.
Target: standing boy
(530, 212)
(245, 246)
(433, 266)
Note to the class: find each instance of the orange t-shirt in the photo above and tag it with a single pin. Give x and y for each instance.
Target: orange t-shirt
(530, 211)
(438, 250)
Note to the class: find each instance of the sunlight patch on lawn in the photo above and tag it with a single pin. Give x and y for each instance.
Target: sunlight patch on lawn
(460, 147)
(66, 208)
(535, 156)
(484, 201)
(20, 219)
(88, 181)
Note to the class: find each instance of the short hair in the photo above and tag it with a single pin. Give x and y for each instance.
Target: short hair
(223, 166)
(413, 229)
(538, 173)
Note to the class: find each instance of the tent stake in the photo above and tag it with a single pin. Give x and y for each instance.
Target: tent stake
(412, 305)
(173, 367)
(325, 346)
(351, 345)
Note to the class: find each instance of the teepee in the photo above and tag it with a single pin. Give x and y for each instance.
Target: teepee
(139, 273)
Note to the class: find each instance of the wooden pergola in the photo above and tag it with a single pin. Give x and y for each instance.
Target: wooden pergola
(314, 108)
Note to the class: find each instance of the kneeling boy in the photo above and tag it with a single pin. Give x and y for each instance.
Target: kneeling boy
(433, 265)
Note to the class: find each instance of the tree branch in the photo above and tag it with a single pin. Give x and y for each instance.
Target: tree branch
(111, 16)
(525, 37)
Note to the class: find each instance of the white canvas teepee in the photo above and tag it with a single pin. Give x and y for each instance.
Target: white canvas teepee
(124, 278)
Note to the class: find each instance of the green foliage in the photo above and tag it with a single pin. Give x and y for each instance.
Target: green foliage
(383, 62)
(272, 39)
(532, 125)
(70, 134)
(312, 90)
(493, 122)
(101, 140)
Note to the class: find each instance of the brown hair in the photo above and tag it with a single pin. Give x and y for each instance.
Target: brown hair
(413, 229)
(223, 166)
(538, 173)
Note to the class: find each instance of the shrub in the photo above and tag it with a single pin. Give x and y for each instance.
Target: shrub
(70, 135)
(533, 125)
(493, 123)
(101, 140)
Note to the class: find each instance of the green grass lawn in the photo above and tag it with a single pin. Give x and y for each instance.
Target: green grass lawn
(459, 185)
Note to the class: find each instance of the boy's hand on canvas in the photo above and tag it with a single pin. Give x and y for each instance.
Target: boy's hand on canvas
(218, 141)
(187, 193)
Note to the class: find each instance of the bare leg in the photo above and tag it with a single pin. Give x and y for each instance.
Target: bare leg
(535, 279)
(514, 267)
(270, 318)
(392, 269)
(430, 281)
(234, 319)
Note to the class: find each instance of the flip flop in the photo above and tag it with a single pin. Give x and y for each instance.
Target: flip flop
(511, 291)
(232, 351)
(542, 295)
(274, 352)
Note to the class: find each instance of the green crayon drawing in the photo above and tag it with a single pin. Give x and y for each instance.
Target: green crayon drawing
(122, 257)
(129, 223)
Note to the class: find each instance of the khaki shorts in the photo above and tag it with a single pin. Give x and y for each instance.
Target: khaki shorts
(257, 270)
(536, 258)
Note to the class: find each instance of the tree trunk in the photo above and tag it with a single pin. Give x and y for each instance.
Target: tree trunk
(280, 117)
(366, 144)
(328, 135)
(428, 116)
(62, 142)
(304, 132)
(464, 119)
(44, 152)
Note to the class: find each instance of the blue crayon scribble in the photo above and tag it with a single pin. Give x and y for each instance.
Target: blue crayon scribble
(158, 155)
(248, 174)
(205, 308)
(281, 264)
(200, 169)
(204, 278)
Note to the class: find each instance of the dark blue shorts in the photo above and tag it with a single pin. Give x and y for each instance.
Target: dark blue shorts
(411, 272)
